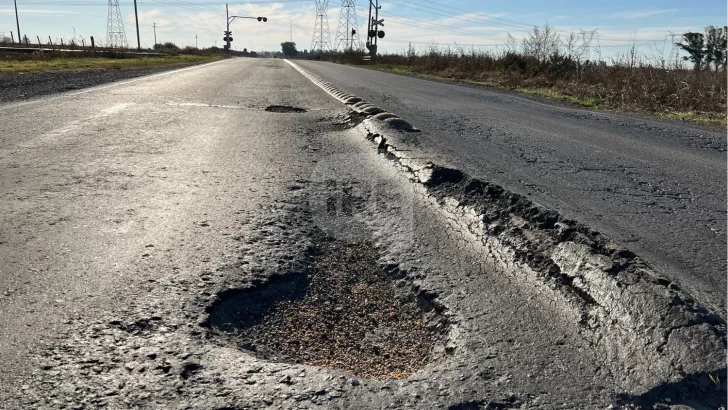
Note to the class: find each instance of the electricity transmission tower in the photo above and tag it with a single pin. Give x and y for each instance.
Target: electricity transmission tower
(586, 39)
(321, 37)
(347, 33)
(115, 34)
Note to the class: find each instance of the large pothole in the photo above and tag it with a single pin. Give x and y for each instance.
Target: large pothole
(284, 109)
(346, 312)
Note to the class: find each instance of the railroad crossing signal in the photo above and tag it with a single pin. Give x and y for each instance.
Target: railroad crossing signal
(228, 36)
(374, 31)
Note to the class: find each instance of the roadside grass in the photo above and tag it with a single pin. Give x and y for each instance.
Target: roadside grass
(543, 92)
(581, 96)
(629, 83)
(57, 63)
(590, 102)
(697, 117)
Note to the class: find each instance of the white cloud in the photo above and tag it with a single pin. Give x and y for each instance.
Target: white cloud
(637, 14)
(36, 11)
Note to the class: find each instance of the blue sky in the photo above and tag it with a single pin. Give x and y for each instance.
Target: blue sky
(482, 24)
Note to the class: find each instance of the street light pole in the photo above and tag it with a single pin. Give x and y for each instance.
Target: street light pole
(17, 21)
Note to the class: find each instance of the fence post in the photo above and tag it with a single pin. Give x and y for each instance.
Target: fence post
(39, 44)
(62, 43)
(51, 43)
(92, 42)
(12, 37)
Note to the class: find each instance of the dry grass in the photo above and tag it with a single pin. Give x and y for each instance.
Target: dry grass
(623, 85)
(13, 63)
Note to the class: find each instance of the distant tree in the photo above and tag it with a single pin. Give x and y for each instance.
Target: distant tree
(542, 42)
(245, 51)
(694, 45)
(289, 49)
(571, 46)
(511, 44)
(715, 46)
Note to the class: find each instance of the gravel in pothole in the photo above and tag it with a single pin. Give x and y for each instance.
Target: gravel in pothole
(347, 312)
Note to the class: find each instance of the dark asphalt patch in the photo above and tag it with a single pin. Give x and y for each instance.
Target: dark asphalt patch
(284, 109)
(347, 312)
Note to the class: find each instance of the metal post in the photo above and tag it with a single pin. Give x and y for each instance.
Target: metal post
(39, 45)
(227, 16)
(17, 21)
(155, 33)
(369, 22)
(136, 16)
(12, 38)
(376, 17)
(196, 41)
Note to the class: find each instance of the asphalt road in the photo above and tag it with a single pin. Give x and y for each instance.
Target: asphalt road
(132, 211)
(657, 187)
(106, 189)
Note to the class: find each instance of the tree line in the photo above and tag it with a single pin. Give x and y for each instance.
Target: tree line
(706, 48)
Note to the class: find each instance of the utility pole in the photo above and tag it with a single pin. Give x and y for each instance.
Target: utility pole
(17, 21)
(291, 40)
(155, 33)
(227, 32)
(195, 40)
(136, 16)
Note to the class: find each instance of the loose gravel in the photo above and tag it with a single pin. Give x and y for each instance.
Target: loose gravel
(346, 314)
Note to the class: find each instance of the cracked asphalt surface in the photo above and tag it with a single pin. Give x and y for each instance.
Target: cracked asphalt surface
(658, 187)
(130, 210)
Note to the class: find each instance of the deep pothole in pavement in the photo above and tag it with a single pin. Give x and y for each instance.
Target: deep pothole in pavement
(284, 109)
(346, 312)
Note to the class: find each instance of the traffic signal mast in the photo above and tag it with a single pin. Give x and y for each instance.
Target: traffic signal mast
(229, 34)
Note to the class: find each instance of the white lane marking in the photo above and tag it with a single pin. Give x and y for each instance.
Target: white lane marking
(192, 104)
(102, 87)
(76, 124)
(113, 110)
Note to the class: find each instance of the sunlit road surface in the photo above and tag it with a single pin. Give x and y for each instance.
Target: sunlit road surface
(128, 207)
